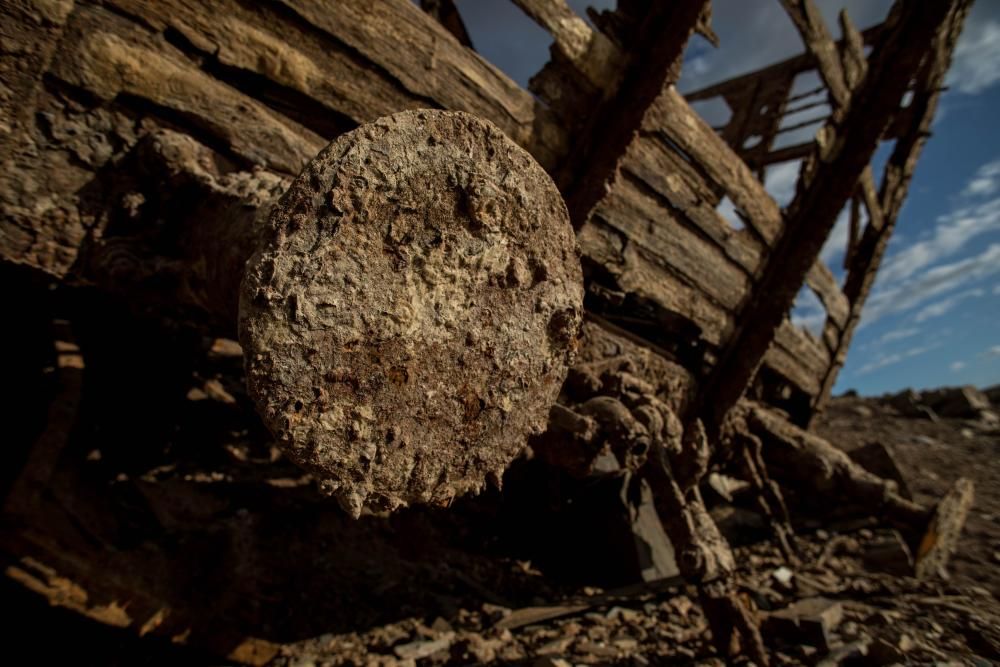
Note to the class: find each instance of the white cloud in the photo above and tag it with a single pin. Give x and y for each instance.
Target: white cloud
(915, 274)
(939, 308)
(956, 366)
(996, 290)
(992, 352)
(884, 360)
(897, 334)
(951, 233)
(899, 296)
(985, 182)
(976, 65)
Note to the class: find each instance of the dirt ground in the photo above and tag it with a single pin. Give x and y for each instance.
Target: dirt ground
(166, 512)
(931, 455)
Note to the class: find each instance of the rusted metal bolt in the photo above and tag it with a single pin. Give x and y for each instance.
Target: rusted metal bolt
(412, 309)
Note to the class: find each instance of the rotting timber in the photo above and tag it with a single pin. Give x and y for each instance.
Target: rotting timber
(141, 141)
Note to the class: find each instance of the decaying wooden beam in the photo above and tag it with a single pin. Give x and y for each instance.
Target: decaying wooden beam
(643, 432)
(672, 117)
(660, 38)
(591, 53)
(824, 474)
(447, 15)
(884, 208)
(761, 99)
(263, 85)
(827, 182)
(852, 53)
(809, 21)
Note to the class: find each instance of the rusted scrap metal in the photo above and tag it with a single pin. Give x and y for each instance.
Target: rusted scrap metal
(621, 411)
(410, 315)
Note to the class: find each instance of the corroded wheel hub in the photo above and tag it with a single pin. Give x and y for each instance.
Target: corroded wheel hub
(411, 313)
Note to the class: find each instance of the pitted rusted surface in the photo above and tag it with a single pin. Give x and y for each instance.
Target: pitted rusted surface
(410, 316)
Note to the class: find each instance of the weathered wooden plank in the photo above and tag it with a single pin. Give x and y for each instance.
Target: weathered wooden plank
(647, 222)
(779, 360)
(660, 35)
(671, 116)
(822, 282)
(111, 57)
(446, 13)
(809, 21)
(663, 170)
(846, 148)
(852, 52)
(898, 171)
(808, 352)
(876, 219)
(268, 42)
(636, 271)
(590, 52)
(433, 65)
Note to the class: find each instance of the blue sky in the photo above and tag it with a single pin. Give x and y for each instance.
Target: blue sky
(934, 315)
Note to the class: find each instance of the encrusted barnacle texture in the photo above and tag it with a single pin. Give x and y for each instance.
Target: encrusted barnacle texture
(411, 313)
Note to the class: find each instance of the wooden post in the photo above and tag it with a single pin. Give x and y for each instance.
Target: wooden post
(845, 148)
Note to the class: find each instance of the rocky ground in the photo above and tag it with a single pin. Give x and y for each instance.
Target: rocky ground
(838, 606)
(202, 513)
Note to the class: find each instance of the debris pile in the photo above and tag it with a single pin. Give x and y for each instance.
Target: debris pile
(529, 295)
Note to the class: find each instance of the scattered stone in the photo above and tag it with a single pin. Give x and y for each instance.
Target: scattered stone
(844, 654)
(595, 649)
(626, 615)
(440, 625)
(907, 403)
(726, 486)
(421, 649)
(877, 459)
(809, 621)
(883, 651)
(888, 552)
(215, 391)
(474, 649)
(863, 411)
(783, 576)
(957, 402)
(552, 662)
(225, 348)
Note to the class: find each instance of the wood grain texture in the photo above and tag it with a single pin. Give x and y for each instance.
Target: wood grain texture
(828, 182)
(676, 121)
